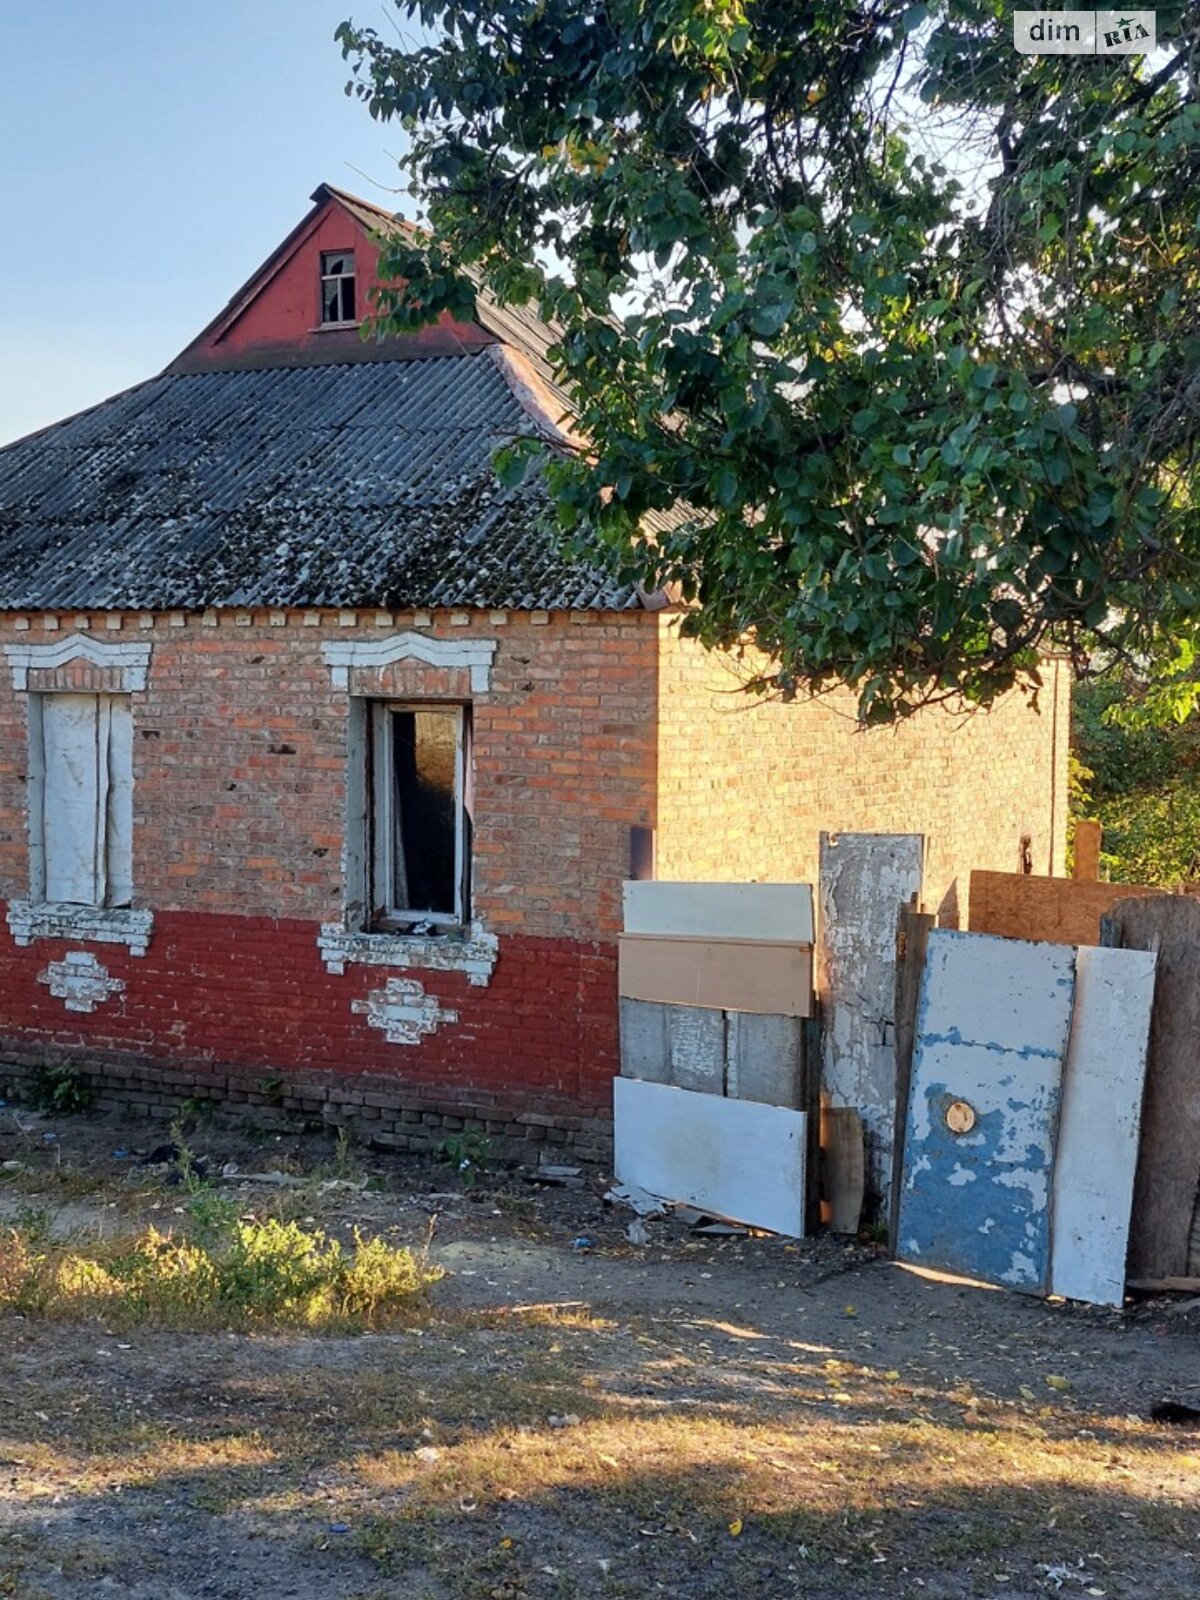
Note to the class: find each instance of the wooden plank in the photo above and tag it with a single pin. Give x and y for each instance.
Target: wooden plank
(724, 974)
(864, 880)
(737, 1158)
(1096, 1157)
(1164, 1193)
(842, 1167)
(781, 913)
(1087, 851)
(1165, 1285)
(912, 938)
(1059, 910)
(992, 1028)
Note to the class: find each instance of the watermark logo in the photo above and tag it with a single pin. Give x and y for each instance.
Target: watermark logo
(1084, 33)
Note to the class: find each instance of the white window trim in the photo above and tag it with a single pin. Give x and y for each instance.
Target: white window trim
(88, 924)
(473, 655)
(132, 660)
(339, 278)
(470, 949)
(473, 951)
(29, 919)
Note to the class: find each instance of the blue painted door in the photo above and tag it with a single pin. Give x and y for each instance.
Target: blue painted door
(993, 1021)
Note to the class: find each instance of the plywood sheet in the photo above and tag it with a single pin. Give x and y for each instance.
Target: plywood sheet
(724, 974)
(1098, 1130)
(865, 879)
(1062, 910)
(733, 1157)
(1169, 1150)
(992, 1028)
(779, 912)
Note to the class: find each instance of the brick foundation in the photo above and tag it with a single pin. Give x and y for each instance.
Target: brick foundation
(221, 1005)
(376, 1110)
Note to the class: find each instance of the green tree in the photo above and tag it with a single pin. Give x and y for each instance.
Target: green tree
(906, 321)
(1137, 773)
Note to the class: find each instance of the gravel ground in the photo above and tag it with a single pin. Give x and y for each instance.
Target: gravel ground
(690, 1417)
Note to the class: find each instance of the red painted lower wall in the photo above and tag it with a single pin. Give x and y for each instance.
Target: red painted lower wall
(252, 992)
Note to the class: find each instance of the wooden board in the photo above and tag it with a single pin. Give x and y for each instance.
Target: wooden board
(1164, 1193)
(724, 974)
(992, 1028)
(912, 940)
(1098, 1131)
(842, 1170)
(1062, 910)
(779, 912)
(1087, 841)
(865, 878)
(735, 1158)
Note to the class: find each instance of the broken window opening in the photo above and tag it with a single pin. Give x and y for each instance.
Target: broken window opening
(338, 298)
(81, 799)
(419, 823)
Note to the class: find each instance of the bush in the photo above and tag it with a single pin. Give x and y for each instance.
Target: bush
(1140, 781)
(60, 1091)
(230, 1273)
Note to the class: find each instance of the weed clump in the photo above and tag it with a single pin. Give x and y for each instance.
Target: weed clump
(223, 1271)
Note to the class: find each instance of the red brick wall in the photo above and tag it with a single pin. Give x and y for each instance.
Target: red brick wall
(746, 785)
(239, 794)
(285, 311)
(592, 724)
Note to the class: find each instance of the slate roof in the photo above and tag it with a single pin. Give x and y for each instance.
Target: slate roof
(365, 484)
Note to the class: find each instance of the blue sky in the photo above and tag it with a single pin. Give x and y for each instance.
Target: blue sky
(152, 153)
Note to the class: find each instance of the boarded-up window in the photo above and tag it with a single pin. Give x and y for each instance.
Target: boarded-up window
(418, 824)
(81, 804)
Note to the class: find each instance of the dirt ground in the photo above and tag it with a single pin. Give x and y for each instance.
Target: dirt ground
(686, 1418)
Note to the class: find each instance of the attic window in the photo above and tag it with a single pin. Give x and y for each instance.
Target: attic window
(338, 303)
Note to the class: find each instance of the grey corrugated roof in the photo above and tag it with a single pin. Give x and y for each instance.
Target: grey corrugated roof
(353, 485)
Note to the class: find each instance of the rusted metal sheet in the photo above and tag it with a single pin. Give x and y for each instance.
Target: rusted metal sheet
(992, 1028)
(724, 974)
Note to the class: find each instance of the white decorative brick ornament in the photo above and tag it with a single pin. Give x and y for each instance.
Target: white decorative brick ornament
(475, 655)
(132, 660)
(80, 981)
(28, 921)
(403, 1012)
(473, 953)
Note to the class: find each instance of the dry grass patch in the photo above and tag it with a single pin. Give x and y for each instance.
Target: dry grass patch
(218, 1271)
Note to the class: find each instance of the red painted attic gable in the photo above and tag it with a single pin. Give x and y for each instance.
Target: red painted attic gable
(275, 318)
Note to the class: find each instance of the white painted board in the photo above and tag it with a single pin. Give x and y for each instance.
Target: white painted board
(1098, 1130)
(737, 1158)
(865, 878)
(779, 912)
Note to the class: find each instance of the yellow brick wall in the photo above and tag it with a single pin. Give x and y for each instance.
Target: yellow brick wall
(745, 786)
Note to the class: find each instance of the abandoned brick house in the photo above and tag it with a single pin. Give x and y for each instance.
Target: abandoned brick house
(320, 769)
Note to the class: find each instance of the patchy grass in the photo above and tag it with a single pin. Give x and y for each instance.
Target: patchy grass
(686, 1423)
(224, 1272)
(535, 1457)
